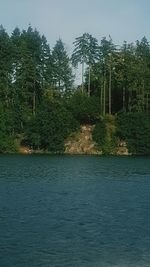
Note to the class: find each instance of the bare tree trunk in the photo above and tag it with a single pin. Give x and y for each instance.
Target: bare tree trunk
(104, 100)
(82, 77)
(147, 105)
(59, 84)
(34, 103)
(89, 81)
(129, 100)
(110, 89)
(101, 99)
(123, 99)
(143, 93)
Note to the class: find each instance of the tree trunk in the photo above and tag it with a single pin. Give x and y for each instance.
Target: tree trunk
(110, 89)
(82, 77)
(59, 85)
(147, 104)
(123, 99)
(101, 99)
(34, 102)
(143, 93)
(89, 81)
(104, 93)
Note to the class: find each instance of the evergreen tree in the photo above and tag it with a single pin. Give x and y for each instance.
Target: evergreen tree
(143, 71)
(46, 64)
(62, 72)
(30, 70)
(85, 52)
(5, 67)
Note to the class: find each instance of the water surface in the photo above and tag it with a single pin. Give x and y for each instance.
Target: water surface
(80, 211)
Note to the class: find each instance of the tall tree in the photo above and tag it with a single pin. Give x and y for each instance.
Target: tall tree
(143, 58)
(46, 64)
(5, 66)
(62, 71)
(85, 52)
(28, 78)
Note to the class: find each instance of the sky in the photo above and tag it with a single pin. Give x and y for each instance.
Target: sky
(67, 19)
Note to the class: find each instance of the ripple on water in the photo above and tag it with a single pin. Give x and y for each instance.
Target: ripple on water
(74, 211)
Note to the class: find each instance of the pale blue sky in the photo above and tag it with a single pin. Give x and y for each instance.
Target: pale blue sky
(123, 19)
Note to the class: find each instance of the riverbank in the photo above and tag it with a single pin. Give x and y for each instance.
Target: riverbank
(79, 143)
(125, 134)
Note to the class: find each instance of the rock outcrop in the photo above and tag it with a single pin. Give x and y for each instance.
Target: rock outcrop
(123, 149)
(82, 142)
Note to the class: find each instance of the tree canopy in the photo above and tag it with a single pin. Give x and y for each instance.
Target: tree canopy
(38, 94)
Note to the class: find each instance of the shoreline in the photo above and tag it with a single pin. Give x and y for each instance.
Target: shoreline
(29, 151)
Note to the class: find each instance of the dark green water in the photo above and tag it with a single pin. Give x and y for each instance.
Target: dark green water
(74, 211)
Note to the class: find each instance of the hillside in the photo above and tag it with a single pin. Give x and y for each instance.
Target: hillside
(82, 142)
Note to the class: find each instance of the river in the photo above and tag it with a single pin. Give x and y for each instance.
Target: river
(74, 211)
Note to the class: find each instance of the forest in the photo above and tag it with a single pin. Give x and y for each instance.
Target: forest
(41, 105)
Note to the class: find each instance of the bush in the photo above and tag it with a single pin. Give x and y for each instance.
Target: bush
(50, 127)
(7, 130)
(104, 134)
(85, 109)
(134, 128)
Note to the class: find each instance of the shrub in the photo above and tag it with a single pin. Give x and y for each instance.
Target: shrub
(104, 134)
(85, 109)
(134, 128)
(49, 128)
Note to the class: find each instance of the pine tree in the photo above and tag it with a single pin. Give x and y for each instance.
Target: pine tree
(5, 67)
(28, 71)
(85, 52)
(62, 72)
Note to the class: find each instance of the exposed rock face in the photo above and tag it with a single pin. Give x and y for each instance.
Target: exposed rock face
(81, 142)
(25, 150)
(122, 149)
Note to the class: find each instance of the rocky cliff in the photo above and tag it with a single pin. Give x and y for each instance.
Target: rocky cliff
(81, 142)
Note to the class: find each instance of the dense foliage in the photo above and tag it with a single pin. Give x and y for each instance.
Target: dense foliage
(50, 126)
(40, 104)
(105, 136)
(134, 128)
(85, 109)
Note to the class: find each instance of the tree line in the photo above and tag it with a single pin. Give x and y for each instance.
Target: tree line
(40, 105)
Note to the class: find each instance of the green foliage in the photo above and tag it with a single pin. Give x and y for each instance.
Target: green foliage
(50, 127)
(62, 72)
(5, 66)
(86, 49)
(85, 109)
(37, 100)
(8, 144)
(134, 128)
(104, 134)
(7, 135)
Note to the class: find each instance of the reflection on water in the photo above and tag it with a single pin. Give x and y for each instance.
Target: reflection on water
(83, 211)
